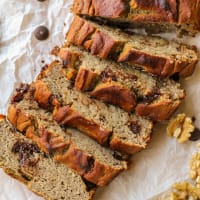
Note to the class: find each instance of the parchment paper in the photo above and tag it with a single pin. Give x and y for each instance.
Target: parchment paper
(21, 58)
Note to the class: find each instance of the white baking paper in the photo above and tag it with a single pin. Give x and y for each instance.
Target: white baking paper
(21, 58)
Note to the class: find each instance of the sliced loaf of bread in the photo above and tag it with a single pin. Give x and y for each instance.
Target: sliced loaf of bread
(95, 163)
(107, 124)
(155, 16)
(121, 85)
(152, 54)
(22, 159)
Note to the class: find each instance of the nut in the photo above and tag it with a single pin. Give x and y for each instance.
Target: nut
(195, 168)
(180, 127)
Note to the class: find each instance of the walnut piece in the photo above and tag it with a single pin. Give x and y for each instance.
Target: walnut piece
(181, 128)
(195, 168)
(183, 191)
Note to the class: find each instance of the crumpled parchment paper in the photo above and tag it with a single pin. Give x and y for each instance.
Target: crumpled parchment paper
(21, 58)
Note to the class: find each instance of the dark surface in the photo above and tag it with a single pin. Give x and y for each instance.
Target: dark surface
(41, 33)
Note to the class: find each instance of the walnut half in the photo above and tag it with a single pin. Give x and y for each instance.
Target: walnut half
(180, 127)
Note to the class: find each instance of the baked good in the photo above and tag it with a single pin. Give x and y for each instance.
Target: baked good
(152, 54)
(23, 160)
(107, 124)
(95, 163)
(121, 85)
(155, 16)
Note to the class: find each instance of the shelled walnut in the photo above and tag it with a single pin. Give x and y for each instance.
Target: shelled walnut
(181, 128)
(195, 168)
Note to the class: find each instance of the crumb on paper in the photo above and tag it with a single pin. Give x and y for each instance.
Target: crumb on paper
(181, 128)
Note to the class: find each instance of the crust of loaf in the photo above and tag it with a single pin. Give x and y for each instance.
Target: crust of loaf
(127, 148)
(112, 8)
(154, 64)
(159, 110)
(171, 12)
(101, 44)
(66, 116)
(189, 13)
(85, 79)
(115, 94)
(92, 170)
(98, 174)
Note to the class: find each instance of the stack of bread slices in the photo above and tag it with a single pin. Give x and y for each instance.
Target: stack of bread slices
(75, 128)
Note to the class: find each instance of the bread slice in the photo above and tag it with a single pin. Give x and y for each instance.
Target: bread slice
(23, 160)
(95, 163)
(155, 16)
(107, 124)
(121, 85)
(152, 54)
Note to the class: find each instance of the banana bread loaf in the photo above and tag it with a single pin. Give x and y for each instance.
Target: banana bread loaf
(121, 85)
(155, 16)
(107, 124)
(152, 54)
(23, 160)
(95, 163)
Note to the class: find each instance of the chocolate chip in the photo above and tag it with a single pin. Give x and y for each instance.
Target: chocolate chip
(108, 74)
(120, 156)
(41, 0)
(41, 33)
(25, 151)
(154, 95)
(175, 77)
(195, 135)
(89, 185)
(135, 127)
(19, 95)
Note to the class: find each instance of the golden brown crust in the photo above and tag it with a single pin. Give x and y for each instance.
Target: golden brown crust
(75, 159)
(101, 174)
(69, 58)
(85, 79)
(189, 13)
(85, 34)
(43, 138)
(2, 117)
(80, 31)
(66, 116)
(153, 64)
(44, 96)
(92, 170)
(18, 118)
(115, 94)
(101, 44)
(112, 8)
(127, 148)
(156, 11)
(177, 13)
(157, 111)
